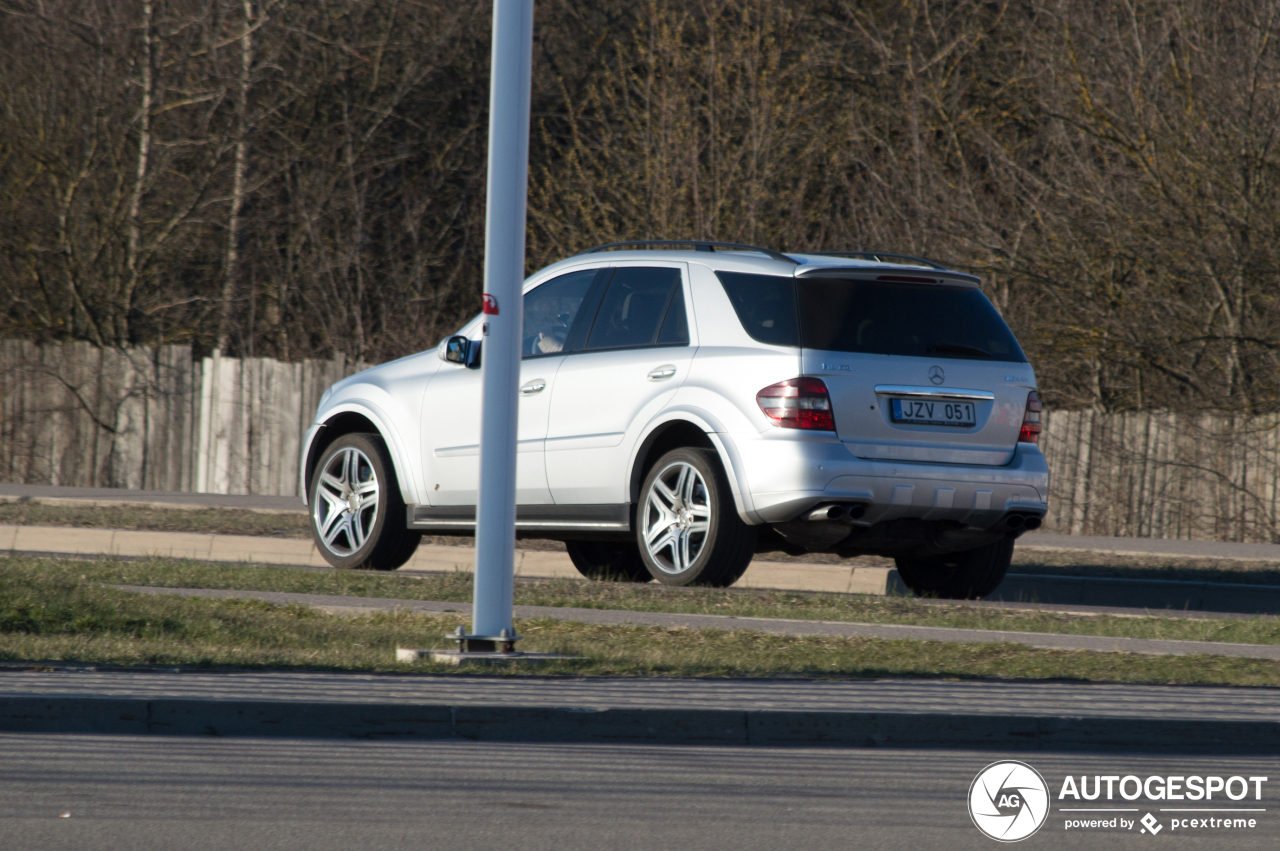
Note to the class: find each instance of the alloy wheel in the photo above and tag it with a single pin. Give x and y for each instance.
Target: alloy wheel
(346, 501)
(677, 517)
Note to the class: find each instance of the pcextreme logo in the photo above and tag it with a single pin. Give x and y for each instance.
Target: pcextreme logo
(1009, 801)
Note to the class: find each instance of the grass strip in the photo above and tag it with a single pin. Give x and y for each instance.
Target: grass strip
(52, 615)
(742, 602)
(204, 521)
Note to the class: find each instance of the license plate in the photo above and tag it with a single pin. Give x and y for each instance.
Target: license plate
(933, 412)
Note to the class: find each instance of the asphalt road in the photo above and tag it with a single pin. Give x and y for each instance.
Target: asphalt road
(144, 794)
(890, 696)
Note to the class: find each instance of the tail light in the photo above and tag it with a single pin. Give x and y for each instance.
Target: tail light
(1031, 420)
(798, 403)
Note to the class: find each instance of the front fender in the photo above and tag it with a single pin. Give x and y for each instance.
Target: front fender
(402, 455)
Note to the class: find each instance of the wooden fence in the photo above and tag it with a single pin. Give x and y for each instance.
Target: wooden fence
(1164, 475)
(73, 414)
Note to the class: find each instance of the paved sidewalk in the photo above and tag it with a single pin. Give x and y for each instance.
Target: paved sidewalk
(892, 713)
(536, 564)
(776, 626)
(1074, 591)
(293, 505)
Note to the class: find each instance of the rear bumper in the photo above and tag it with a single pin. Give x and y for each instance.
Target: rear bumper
(788, 477)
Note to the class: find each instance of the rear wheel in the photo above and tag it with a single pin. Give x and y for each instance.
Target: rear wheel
(687, 528)
(357, 513)
(608, 560)
(969, 575)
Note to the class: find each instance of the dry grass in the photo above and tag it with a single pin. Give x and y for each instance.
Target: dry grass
(457, 587)
(60, 618)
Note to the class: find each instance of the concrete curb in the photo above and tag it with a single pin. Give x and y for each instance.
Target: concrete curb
(568, 725)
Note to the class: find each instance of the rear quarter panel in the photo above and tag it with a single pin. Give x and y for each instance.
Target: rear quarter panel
(728, 370)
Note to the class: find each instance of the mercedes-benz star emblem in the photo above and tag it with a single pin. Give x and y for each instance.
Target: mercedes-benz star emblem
(936, 375)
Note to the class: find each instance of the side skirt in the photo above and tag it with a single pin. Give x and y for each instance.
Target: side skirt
(537, 519)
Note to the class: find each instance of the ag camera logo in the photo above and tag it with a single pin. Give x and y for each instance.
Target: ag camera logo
(1008, 801)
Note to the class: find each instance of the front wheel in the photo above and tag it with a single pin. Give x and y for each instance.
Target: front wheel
(969, 575)
(686, 525)
(357, 513)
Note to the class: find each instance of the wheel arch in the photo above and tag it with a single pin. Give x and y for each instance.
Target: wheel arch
(687, 429)
(351, 421)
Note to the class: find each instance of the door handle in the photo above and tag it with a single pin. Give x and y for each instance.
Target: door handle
(665, 371)
(535, 386)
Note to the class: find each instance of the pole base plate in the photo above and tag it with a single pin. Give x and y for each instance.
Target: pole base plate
(469, 657)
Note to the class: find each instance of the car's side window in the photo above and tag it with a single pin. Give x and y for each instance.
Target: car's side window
(766, 306)
(549, 311)
(675, 327)
(636, 307)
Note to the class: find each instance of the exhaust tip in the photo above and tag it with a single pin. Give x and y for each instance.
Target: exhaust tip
(838, 513)
(1033, 522)
(1014, 521)
(827, 512)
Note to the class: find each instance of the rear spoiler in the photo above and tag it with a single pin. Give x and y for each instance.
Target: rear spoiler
(889, 274)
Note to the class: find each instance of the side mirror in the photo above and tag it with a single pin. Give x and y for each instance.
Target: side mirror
(455, 350)
(463, 352)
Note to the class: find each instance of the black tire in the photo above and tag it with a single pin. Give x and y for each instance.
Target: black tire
(719, 547)
(969, 575)
(361, 537)
(617, 561)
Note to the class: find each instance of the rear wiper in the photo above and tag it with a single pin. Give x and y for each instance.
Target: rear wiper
(957, 349)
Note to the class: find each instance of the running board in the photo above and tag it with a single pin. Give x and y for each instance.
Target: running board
(539, 518)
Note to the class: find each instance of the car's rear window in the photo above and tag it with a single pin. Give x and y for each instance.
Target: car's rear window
(873, 317)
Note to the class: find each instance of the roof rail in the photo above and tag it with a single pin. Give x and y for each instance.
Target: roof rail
(696, 245)
(880, 256)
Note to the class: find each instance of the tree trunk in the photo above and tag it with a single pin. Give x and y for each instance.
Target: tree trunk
(231, 262)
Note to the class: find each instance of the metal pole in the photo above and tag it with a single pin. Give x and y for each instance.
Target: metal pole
(511, 67)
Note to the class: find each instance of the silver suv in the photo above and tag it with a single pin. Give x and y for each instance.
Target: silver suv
(685, 405)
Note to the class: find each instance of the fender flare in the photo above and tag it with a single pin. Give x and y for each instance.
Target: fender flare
(720, 440)
(395, 445)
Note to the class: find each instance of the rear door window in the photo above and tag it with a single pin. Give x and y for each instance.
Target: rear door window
(636, 307)
(912, 320)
